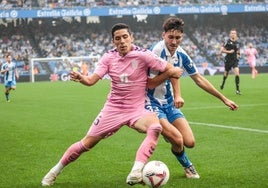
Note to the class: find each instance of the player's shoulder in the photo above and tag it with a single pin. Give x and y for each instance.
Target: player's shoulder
(138, 49)
(181, 50)
(5, 64)
(160, 45)
(110, 52)
(182, 53)
(158, 48)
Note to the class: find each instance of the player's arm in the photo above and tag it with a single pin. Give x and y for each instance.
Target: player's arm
(178, 100)
(17, 73)
(203, 83)
(83, 79)
(169, 72)
(238, 54)
(3, 70)
(224, 50)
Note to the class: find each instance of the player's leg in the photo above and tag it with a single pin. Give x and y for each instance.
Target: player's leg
(237, 80)
(182, 125)
(254, 71)
(70, 155)
(7, 91)
(225, 76)
(175, 138)
(94, 135)
(150, 125)
(10, 86)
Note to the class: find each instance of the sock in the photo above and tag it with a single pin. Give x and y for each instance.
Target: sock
(223, 80)
(57, 168)
(7, 96)
(137, 165)
(237, 80)
(182, 158)
(73, 152)
(149, 143)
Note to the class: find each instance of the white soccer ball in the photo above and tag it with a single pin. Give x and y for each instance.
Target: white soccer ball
(155, 174)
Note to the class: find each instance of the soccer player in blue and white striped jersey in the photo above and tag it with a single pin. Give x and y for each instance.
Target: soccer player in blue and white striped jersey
(9, 69)
(166, 99)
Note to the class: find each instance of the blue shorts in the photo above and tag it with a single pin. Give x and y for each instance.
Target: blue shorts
(168, 111)
(9, 84)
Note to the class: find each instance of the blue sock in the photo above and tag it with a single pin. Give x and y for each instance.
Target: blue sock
(182, 158)
(7, 96)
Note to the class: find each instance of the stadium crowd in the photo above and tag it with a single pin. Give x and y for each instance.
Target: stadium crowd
(204, 35)
(5, 4)
(202, 43)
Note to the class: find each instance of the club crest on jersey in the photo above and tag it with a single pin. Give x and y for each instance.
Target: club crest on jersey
(135, 64)
(191, 65)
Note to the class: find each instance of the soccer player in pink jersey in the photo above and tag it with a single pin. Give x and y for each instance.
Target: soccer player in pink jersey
(127, 65)
(251, 54)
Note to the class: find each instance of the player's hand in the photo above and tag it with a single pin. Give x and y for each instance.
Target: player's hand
(178, 102)
(75, 76)
(176, 72)
(231, 51)
(232, 105)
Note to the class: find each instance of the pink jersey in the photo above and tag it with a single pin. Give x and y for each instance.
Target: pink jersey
(128, 76)
(251, 54)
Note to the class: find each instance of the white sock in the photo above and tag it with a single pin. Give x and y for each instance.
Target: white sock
(57, 168)
(137, 165)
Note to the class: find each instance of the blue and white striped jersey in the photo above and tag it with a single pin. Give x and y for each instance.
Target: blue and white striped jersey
(9, 75)
(163, 94)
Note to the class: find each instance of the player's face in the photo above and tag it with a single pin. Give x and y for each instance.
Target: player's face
(172, 40)
(233, 35)
(9, 58)
(122, 41)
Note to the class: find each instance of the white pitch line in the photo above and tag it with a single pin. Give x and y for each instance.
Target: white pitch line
(230, 127)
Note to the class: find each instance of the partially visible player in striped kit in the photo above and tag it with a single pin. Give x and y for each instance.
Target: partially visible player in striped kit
(9, 69)
(166, 99)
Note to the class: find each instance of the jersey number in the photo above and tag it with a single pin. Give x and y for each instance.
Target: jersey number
(124, 78)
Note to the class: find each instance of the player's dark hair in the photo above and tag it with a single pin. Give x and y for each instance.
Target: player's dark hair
(8, 54)
(119, 26)
(233, 29)
(173, 23)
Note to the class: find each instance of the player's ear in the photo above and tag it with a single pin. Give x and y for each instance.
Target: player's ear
(132, 38)
(163, 34)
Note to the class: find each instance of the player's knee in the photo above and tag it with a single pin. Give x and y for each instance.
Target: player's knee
(189, 143)
(175, 138)
(155, 128)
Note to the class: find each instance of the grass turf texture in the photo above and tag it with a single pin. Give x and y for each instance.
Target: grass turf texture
(44, 118)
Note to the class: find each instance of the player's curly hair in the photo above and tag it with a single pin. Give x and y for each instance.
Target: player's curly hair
(173, 23)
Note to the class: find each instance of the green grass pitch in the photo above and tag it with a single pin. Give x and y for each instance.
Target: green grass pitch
(44, 118)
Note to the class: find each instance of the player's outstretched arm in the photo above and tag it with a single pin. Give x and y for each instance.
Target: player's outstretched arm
(203, 83)
(86, 80)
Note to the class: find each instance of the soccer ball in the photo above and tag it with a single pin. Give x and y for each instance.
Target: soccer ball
(155, 174)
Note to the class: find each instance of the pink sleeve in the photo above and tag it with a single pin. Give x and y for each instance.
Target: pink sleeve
(155, 62)
(102, 66)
